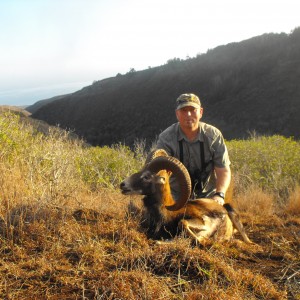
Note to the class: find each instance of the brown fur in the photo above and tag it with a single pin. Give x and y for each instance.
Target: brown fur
(202, 219)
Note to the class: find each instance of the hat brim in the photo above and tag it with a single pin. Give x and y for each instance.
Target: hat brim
(193, 104)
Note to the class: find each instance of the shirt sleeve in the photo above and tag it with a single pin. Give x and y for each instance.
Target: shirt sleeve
(221, 157)
(167, 140)
(163, 144)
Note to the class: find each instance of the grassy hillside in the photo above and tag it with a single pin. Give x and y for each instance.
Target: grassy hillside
(66, 231)
(246, 86)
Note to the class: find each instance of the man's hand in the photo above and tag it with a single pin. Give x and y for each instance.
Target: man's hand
(218, 199)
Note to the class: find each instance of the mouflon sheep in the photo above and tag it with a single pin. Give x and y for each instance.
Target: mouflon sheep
(203, 219)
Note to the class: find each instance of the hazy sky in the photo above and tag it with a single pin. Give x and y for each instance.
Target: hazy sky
(52, 47)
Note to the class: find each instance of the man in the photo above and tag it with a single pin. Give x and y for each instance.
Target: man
(200, 147)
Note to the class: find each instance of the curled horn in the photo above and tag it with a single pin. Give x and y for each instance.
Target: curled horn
(181, 174)
(155, 153)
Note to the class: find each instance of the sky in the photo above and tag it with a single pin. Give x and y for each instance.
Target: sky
(53, 47)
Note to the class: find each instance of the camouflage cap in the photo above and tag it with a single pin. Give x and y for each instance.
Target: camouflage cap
(188, 100)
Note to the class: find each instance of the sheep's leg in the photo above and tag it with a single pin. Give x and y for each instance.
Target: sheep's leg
(201, 229)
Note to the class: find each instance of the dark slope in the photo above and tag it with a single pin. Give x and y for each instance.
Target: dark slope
(37, 105)
(248, 86)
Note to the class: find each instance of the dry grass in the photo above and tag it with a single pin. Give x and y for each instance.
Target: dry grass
(293, 205)
(62, 239)
(96, 250)
(255, 202)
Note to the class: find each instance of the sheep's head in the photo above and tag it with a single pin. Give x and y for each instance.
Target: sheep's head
(141, 183)
(152, 178)
(145, 183)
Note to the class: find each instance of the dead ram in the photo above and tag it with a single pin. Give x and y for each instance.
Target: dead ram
(202, 219)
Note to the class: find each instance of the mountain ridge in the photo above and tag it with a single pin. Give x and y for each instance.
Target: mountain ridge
(247, 86)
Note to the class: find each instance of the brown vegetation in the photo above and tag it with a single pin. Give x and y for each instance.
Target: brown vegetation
(91, 251)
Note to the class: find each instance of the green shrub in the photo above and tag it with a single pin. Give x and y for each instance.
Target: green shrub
(272, 162)
(36, 166)
(107, 166)
(53, 166)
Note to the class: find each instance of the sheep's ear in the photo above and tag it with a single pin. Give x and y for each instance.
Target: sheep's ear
(160, 180)
(169, 173)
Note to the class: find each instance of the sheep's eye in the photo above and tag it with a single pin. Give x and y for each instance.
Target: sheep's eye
(146, 177)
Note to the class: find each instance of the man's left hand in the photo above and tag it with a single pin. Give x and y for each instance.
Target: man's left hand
(218, 199)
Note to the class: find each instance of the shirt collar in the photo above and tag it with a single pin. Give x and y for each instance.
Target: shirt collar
(181, 135)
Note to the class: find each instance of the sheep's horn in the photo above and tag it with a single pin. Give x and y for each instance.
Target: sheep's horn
(155, 153)
(181, 174)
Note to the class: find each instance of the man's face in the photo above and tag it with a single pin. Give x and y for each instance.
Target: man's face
(189, 117)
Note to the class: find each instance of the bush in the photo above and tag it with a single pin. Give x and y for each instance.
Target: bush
(54, 167)
(107, 166)
(273, 163)
(41, 167)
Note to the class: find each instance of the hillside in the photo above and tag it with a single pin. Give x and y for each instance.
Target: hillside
(33, 108)
(67, 232)
(244, 87)
(38, 125)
